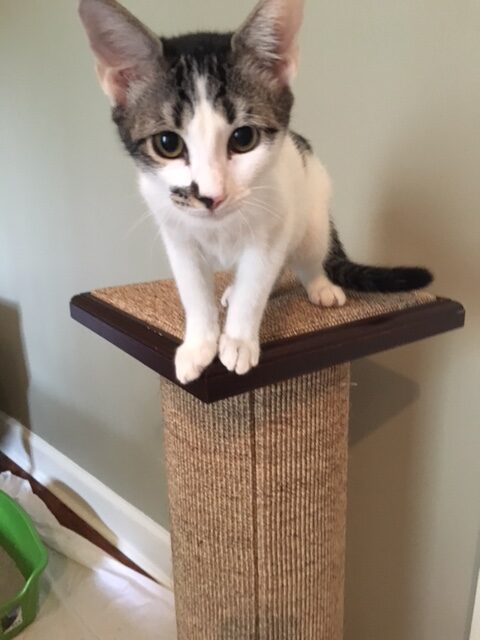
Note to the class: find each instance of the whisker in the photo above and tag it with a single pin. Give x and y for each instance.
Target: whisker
(245, 220)
(261, 205)
(137, 224)
(155, 240)
(263, 186)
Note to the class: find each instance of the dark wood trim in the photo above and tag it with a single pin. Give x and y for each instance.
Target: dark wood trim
(66, 516)
(140, 340)
(280, 359)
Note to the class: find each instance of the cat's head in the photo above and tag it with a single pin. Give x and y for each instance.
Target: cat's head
(203, 115)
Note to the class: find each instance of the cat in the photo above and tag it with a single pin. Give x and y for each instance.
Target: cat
(205, 116)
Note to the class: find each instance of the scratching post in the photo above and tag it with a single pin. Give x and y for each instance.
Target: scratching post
(257, 499)
(257, 464)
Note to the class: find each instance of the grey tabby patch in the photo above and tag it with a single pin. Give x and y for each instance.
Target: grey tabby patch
(169, 93)
(303, 145)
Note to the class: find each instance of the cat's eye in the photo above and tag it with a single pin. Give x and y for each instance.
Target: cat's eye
(244, 139)
(168, 144)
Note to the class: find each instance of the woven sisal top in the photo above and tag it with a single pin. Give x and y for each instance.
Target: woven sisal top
(289, 312)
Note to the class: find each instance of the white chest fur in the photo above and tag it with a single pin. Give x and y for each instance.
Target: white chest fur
(282, 219)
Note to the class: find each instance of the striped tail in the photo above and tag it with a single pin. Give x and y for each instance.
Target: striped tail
(358, 277)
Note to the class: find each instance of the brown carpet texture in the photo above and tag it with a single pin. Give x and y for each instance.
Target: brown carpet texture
(289, 312)
(257, 487)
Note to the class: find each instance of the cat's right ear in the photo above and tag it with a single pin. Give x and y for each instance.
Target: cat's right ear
(126, 51)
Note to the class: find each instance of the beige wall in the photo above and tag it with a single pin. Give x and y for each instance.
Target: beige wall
(389, 92)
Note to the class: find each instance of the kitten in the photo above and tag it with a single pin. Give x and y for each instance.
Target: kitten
(205, 117)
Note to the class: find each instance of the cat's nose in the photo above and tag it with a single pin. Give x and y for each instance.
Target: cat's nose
(212, 203)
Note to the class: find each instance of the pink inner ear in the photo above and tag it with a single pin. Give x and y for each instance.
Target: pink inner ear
(288, 23)
(123, 46)
(289, 65)
(116, 82)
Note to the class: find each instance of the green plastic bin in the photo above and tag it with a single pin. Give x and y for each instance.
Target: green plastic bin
(22, 543)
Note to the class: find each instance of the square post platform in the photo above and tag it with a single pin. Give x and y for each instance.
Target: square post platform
(257, 464)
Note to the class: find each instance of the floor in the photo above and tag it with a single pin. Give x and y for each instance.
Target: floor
(89, 590)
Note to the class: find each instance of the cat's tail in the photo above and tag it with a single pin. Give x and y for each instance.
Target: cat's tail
(359, 277)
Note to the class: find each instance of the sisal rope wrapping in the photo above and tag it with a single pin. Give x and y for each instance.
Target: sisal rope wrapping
(257, 488)
(289, 312)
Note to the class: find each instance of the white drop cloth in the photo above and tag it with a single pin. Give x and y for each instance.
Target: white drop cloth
(85, 594)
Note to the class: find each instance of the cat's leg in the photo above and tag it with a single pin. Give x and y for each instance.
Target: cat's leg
(320, 289)
(194, 278)
(309, 256)
(225, 299)
(308, 265)
(322, 292)
(257, 271)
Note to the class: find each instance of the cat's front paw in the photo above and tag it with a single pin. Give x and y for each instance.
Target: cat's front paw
(324, 293)
(192, 358)
(238, 355)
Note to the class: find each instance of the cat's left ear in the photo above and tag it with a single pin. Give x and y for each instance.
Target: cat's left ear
(269, 36)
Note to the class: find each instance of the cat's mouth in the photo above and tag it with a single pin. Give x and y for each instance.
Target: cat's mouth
(188, 201)
(197, 210)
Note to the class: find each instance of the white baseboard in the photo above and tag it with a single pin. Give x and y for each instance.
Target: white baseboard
(475, 629)
(132, 532)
